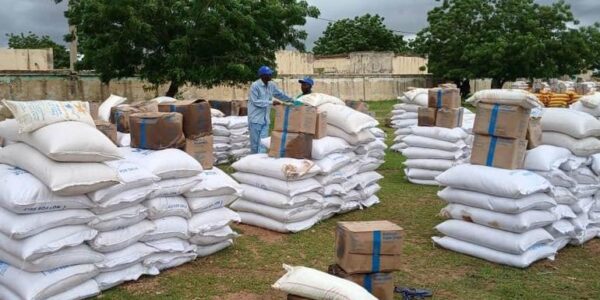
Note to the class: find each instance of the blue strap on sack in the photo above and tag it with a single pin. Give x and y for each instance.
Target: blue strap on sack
(143, 140)
(368, 283)
(375, 257)
(286, 116)
(493, 119)
(439, 98)
(491, 152)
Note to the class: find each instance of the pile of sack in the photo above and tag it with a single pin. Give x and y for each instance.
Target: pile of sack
(589, 104)
(231, 138)
(81, 215)
(586, 87)
(405, 115)
(561, 86)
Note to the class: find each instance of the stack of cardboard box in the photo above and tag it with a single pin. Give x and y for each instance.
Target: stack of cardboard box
(197, 128)
(294, 129)
(367, 253)
(444, 109)
(502, 135)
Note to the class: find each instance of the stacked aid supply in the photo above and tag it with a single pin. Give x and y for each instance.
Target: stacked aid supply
(405, 115)
(231, 138)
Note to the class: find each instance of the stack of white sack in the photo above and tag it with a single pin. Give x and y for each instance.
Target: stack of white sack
(499, 215)
(209, 225)
(348, 156)
(432, 150)
(562, 87)
(280, 194)
(405, 115)
(574, 185)
(588, 104)
(231, 138)
(80, 208)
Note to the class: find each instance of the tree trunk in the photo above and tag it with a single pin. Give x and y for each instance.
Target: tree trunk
(497, 83)
(173, 89)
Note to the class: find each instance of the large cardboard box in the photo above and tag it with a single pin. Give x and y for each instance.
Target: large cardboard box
(119, 115)
(321, 130)
(294, 145)
(201, 148)
(444, 98)
(534, 133)
(108, 129)
(297, 119)
(157, 131)
(368, 247)
(380, 285)
(449, 117)
(426, 116)
(508, 121)
(196, 116)
(498, 152)
(224, 106)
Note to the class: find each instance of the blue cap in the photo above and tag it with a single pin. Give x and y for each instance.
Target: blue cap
(264, 70)
(307, 80)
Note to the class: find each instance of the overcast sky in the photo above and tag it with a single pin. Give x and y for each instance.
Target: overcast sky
(46, 18)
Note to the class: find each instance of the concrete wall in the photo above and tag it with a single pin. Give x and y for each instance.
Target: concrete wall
(26, 59)
(294, 62)
(403, 65)
(60, 85)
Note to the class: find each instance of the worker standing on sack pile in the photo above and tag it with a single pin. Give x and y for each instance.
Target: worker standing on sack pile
(260, 98)
(306, 85)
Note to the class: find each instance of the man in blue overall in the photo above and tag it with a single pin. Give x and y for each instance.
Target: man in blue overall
(260, 98)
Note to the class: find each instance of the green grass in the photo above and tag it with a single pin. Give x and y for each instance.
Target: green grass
(247, 270)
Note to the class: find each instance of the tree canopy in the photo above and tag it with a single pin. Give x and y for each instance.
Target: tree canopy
(505, 40)
(202, 42)
(34, 41)
(365, 33)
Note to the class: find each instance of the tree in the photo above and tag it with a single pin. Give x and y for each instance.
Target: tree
(365, 33)
(202, 42)
(33, 41)
(502, 40)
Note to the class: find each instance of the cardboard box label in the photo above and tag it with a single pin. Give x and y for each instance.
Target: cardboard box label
(498, 152)
(426, 116)
(508, 121)
(296, 119)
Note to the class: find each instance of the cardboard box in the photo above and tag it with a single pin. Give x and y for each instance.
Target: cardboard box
(108, 129)
(239, 107)
(296, 119)
(157, 131)
(508, 121)
(321, 130)
(449, 117)
(196, 116)
(201, 149)
(534, 133)
(119, 115)
(223, 106)
(426, 116)
(94, 107)
(444, 98)
(358, 243)
(498, 152)
(296, 145)
(380, 285)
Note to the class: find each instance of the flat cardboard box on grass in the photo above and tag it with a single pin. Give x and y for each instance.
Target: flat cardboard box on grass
(380, 285)
(157, 131)
(498, 152)
(426, 116)
(297, 119)
(534, 133)
(444, 98)
(108, 129)
(321, 130)
(196, 116)
(295, 145)
(449, 117)
(508, 121)
(358, 243)
(201, 149)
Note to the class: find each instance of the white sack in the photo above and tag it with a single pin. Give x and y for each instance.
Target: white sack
(439, 133)
(171, 245)
(85, 290)
(425, 142)
(580, 147)
(278, 200)
(422, 174)
(202, 204)
(283, 215)
(361, 137)
(162, 261)
(69, 256)
(214, 237)
(105, 107)
(494, 181)
(546, 158)
(167, 207)
(124, 200)
(175, 187)
(214, 183)
(538, 201)
(289, 188)
(130, 176)
(268, 223)
(430, 164)
(126, 257)
(166, 164)
(570, 122)
(318, 99)
(115, 240)
(279, 168)
(426, 153)
(31, 115)
(168, 227)
(212, 220)
(111, 279)
(334, 161)
(506, 97)
(66, 179)
(22, 226)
